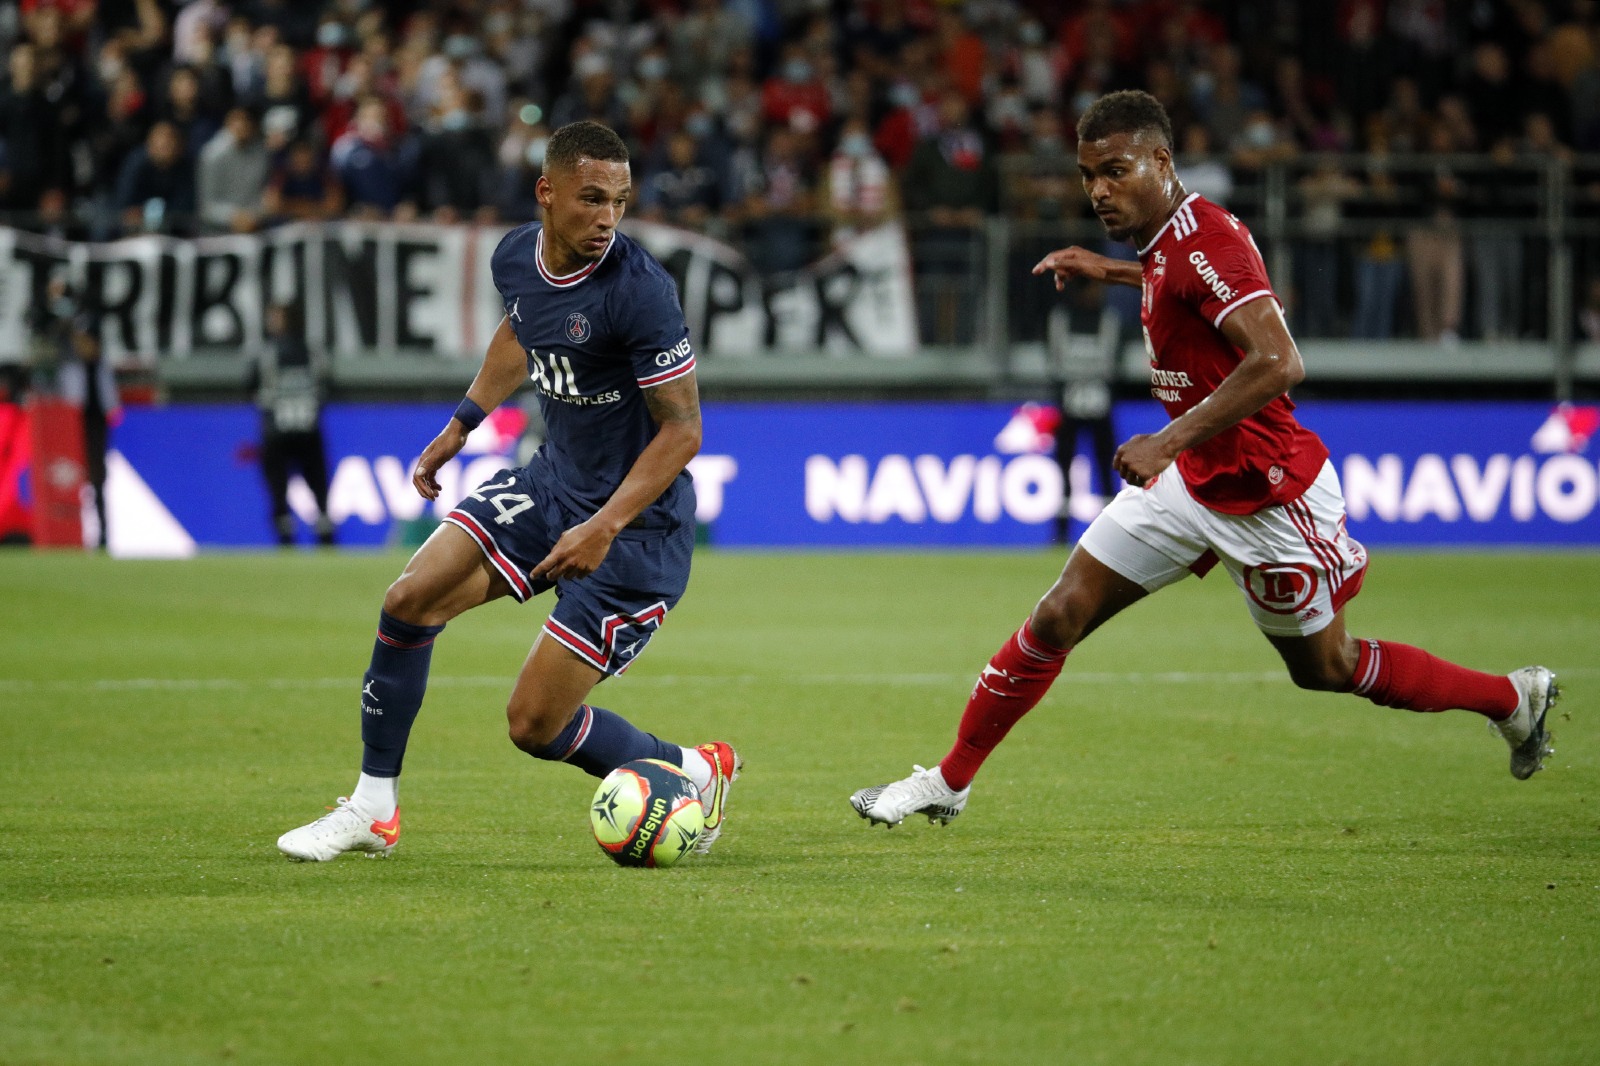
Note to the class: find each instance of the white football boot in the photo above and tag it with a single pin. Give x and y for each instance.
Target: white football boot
(343, 829)
(725, 767)
(1524, 731)
(924, 792)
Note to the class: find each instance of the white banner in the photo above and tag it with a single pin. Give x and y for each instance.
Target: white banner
(423, 289)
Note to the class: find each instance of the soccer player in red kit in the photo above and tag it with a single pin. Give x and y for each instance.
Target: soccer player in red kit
(1232, 478)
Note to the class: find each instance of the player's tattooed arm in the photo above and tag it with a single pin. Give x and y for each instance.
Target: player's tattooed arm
(675, 407)
(505, 365)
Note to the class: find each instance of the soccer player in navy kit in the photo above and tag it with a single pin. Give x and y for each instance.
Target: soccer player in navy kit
(603, 513)
(1233, 478)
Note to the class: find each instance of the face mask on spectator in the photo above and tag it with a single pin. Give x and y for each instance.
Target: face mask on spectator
(797, 71)
(1259, 135)
(535, 153)
(653, 68)
(460, 46)
(110, 69)
(856, 145)
(1032, 34)
(903, 94)
(330, 35)
(497, 23)
(455, 120)
(698, 125)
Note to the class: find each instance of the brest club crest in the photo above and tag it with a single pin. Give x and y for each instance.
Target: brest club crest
(577, 328)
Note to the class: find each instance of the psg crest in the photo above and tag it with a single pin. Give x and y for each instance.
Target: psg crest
(577, 327)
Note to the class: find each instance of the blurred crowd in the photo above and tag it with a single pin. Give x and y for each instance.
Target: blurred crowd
(791, 124)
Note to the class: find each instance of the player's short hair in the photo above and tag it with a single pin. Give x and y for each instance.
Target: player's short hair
(583, 140)
(1128, 111)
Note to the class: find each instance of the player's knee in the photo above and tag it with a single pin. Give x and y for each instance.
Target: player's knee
(407, 601)
(532, 730)
(1060, 617)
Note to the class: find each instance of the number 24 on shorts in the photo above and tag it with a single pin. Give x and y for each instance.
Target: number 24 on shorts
(509, 504)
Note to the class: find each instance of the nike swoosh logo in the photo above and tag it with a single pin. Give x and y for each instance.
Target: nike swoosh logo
(390, 830)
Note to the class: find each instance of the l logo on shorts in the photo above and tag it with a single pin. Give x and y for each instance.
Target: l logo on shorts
(1282, 588)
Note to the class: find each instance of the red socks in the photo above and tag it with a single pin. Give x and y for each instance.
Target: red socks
(1016, 679)
(1398, 675)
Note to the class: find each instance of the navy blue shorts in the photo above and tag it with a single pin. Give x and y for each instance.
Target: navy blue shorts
(607, 618)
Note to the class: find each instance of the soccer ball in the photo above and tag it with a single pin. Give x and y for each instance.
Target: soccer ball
(647, 813)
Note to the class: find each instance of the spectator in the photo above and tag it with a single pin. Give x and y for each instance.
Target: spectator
(1046, 185)
(860, 193)
(457, 159)
(683, 190)
(184, 110)
(1324, 192)
(1493, 99)
(1378, 269)
(376, 169)
(36, 150)
(950, 185)
(283, 96)
(778, 208)
(951, 178)
(1223, 98)
(302, 188)
(795, 96)
(1364, 62)
(1501, 202)
(359, 80)
(1201, 169)
(706, 39)
(155, 192)
(232, 176)
(521, 160)
(592, 94)
(1433, 244)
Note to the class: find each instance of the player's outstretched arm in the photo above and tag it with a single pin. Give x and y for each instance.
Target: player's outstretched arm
(1270, 368)
(504, 366)
(1075, 262)
(675, 406)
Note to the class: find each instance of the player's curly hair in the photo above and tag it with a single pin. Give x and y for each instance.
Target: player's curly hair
(1127, 111)
(583, 140)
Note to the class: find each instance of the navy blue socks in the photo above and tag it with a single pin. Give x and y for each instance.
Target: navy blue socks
(392, 691)
(597, 741)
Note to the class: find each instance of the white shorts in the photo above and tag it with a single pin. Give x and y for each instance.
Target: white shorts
(1295, 563)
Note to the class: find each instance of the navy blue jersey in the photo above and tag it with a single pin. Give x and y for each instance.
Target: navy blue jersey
(595, 340)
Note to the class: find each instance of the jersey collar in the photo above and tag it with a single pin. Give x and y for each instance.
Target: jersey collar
(1181, 209)
(567, 281)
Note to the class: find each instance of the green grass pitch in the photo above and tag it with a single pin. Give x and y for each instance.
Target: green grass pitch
(1177, 858)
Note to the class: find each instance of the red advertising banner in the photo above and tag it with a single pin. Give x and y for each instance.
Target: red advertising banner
(58, 473)
(16, 495)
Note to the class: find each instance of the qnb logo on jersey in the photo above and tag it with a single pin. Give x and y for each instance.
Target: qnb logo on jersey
(1209, 275)
(673, 354)
(552, 373)
(1282, 588)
